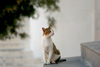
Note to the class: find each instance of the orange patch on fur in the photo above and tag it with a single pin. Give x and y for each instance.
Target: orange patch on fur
(46, 31)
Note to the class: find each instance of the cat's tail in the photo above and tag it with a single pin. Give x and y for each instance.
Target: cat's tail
(62, 60)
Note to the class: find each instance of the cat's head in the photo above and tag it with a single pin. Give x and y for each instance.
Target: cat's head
(48, 31)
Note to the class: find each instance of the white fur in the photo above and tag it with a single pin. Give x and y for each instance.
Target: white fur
(47, 48)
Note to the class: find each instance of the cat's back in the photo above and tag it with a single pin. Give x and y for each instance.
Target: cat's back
(56, 51)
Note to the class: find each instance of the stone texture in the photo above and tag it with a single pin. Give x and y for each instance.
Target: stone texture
(97, 20)
(15, 54)
(71, 62)
(13, 46)
(91, 53)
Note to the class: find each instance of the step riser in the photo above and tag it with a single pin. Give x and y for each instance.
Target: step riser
(17, 61)
(21, 66)
(15, 53)
(90, 56)
(12, 46)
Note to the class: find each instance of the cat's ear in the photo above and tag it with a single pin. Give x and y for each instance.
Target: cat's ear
(43, 29)
(50, 26)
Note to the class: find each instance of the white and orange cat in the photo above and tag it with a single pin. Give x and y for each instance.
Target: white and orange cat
(50, 53)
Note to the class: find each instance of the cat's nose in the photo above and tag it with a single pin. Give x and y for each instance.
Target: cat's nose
(53, 33)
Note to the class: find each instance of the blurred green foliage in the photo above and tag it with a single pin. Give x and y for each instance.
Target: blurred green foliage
(11, 11)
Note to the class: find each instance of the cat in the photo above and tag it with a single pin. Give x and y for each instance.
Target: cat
(51, 54)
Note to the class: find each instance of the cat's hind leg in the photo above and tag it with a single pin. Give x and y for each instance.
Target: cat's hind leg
(58, 59)
(55, 59)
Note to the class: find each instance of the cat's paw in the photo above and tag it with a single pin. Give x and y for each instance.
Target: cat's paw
(48, 62)
(53, 62)
(45, 63)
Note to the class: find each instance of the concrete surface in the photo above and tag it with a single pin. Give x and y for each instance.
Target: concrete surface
(71, 62)
(91, 53)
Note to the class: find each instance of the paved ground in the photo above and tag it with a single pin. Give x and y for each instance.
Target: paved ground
(71, 62)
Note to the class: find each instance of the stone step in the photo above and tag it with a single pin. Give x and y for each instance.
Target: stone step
(15, 54)
(13, 46)
(34, 65)
(91, 53)
(22, 66)
(71, 62)
(20, 61)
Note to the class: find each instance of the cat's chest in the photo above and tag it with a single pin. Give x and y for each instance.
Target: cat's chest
(47, 43)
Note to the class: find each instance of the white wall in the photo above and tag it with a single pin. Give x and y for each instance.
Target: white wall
(75, 25)
(36, 33)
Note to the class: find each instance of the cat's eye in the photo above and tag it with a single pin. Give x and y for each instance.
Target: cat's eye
(50, 31)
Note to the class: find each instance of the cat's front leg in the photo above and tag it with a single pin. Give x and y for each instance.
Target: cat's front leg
(44, 57)
(49, 58)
